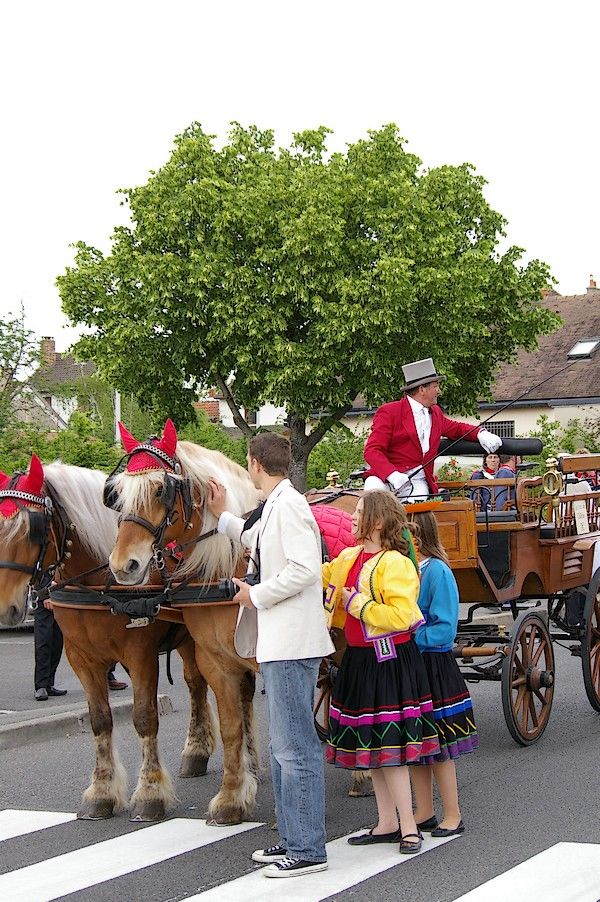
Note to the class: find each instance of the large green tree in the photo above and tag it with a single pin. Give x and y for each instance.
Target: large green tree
(301, 278)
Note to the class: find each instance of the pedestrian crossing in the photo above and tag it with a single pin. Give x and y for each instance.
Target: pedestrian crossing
(566, 872)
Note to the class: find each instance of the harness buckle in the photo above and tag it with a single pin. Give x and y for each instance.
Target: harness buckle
(136, 622)
(33, 599)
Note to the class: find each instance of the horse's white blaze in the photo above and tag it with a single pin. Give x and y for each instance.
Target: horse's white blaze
(215, 556)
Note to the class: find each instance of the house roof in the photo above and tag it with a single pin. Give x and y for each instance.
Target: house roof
(64, 370)
(581, 381)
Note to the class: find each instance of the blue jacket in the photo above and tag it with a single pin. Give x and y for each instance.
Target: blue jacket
(438, 601)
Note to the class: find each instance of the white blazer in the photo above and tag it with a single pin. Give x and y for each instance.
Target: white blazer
(288, 622)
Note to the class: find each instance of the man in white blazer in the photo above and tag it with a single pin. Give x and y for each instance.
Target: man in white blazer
(282, 623)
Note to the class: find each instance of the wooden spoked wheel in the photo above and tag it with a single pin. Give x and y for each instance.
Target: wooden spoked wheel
(590, 644)
(528, 679)
(325, 683)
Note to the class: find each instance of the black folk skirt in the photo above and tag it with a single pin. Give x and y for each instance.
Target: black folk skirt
(452, 707)
(381, 713)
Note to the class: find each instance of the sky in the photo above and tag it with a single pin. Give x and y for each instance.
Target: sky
(94, 93)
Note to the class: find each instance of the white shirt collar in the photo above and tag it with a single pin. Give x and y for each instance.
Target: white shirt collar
(416, 406)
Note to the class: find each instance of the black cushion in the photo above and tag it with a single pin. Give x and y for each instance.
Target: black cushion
(497, 516)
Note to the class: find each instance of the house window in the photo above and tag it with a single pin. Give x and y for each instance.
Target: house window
(503, 428)
(251, 417)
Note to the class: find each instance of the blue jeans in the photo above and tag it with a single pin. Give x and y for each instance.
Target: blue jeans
(296, 757)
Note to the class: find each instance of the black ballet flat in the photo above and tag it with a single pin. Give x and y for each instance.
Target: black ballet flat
(411, 848)
(443, 831)
(428, 825)
(368, 839)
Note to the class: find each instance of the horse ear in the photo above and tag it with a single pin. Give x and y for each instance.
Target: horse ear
(35, 476)
(129, 442)
(4, 479)
(168, 442)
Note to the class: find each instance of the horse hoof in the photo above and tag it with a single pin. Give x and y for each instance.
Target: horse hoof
(361, 790)
(143, 812)
(100, 810)
(193, 766)
(225, 818)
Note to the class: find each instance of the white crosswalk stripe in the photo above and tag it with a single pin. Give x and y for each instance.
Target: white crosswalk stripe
(348, 865)
(112, 858)
(15, 823)
(566, 872)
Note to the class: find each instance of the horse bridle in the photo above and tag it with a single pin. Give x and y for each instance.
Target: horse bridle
(42, 531)
(168, 494)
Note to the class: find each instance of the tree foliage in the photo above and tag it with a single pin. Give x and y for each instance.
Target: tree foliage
(18, 354)
(309, 277)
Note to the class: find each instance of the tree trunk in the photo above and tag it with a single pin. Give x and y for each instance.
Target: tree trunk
(300, 449)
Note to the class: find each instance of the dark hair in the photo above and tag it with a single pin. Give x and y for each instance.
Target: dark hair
(385, 509)
(490, 454)
(504, 458)
(428, 537)
(272, 451)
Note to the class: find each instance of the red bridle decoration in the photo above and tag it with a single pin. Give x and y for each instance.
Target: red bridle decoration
(142, 461)
(30, 483)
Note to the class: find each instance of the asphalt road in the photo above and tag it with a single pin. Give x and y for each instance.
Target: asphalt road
(516, 802)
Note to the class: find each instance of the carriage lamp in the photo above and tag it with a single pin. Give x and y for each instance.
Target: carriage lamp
(583, 349)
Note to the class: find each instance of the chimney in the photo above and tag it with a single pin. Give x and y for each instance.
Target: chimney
(47, 351)
(592, 286)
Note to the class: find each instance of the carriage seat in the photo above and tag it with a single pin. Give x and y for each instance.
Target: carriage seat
(510, 516)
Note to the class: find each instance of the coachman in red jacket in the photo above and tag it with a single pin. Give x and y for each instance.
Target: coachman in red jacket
(407, 433)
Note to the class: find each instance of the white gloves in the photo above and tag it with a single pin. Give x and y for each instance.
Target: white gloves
(397, 480)
(488, 441)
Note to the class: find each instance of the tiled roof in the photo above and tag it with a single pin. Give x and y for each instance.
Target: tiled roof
(65, 369)
(581, 319)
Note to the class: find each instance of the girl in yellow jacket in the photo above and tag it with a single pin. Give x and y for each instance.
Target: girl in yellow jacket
(381, 715)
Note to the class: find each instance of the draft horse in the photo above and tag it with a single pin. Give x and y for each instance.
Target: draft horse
(161, 498)
(54, 526)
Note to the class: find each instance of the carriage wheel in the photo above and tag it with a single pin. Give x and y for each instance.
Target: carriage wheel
(528, 679)
(590, 644)
(324, 687)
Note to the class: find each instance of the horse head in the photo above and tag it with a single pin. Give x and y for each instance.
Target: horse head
(24, 518)
(161, 496)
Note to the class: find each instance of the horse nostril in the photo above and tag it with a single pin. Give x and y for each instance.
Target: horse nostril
(132, 566)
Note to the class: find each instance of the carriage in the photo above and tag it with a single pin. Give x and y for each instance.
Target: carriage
(533, 563)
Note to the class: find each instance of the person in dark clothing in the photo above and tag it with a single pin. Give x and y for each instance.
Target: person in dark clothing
(48, 646)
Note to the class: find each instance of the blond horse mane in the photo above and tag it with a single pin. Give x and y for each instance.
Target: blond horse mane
(79, 490)
(216, 556)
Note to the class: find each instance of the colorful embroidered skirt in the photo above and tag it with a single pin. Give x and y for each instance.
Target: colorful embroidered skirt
(381, 714)
(452, 707)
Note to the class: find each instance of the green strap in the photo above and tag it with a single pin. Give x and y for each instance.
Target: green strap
(411, 548)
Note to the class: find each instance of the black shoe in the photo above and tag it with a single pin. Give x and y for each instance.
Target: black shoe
(443, 831)
(411, 848)
(267, 856)
(54, 691)
(367, 839)
(294, 867)
(428, 825)
(41, 695)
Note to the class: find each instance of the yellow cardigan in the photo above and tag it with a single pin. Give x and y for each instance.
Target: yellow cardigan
(386, 600)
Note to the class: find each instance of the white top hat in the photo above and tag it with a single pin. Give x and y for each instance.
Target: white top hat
(419, 373)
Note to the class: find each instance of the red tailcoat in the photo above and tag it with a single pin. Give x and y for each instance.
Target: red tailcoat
(394, 444)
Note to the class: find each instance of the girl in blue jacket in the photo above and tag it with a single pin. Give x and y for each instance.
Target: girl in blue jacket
(452, 707)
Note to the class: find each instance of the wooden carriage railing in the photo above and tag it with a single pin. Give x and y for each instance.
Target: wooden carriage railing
(483, 492)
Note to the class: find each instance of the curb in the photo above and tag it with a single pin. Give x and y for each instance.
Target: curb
(65, 724)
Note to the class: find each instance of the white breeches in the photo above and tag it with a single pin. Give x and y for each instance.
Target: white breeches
(415, 490)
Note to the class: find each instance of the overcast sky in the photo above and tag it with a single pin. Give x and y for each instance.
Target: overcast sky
(93, 93)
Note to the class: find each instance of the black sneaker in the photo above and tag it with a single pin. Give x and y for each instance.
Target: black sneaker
(267, 856)
(294, 867)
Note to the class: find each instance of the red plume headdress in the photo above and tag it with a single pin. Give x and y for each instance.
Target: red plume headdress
(155, 454)
(26, 490)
